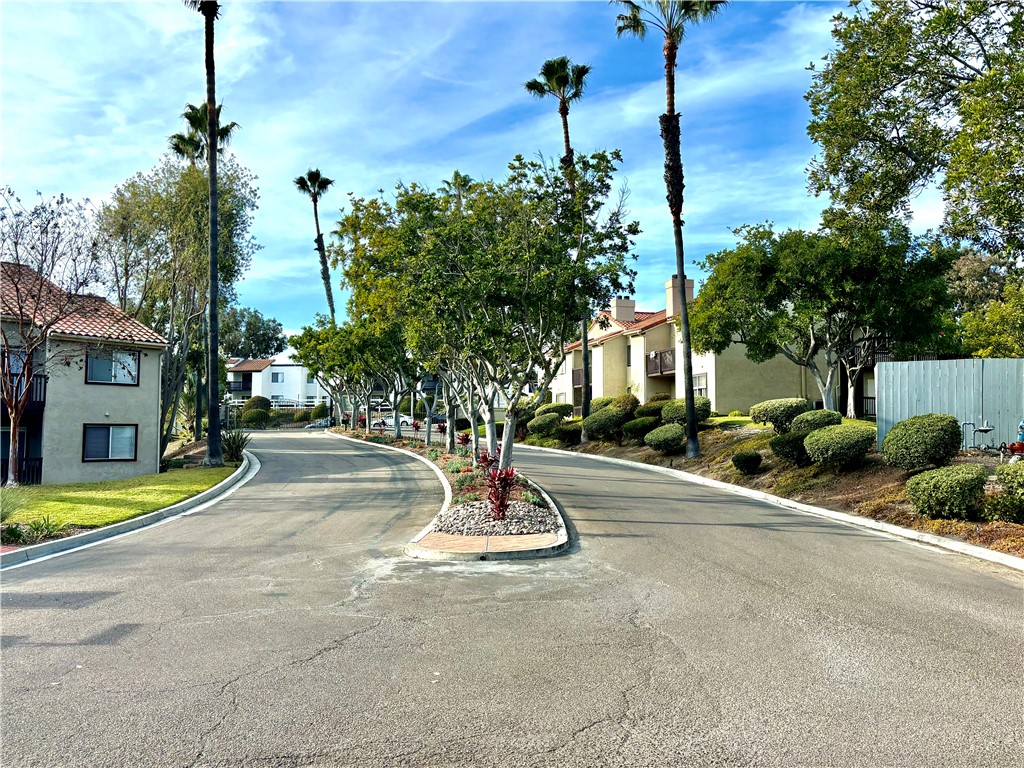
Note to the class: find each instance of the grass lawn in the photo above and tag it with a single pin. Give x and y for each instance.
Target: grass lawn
(724, 422)
(90, 505)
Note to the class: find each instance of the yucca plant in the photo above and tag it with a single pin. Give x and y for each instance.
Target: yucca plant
(234, 442)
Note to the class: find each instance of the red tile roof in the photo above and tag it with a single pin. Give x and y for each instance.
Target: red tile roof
(642, 321)
(251, 366)
(90, 317)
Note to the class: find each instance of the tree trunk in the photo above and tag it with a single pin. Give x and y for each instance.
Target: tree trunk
(674, 194)
(508, 439)
(325, 272)
(214, 456)
(13, 470)
(852, 375)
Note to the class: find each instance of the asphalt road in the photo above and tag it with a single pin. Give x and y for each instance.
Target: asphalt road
(283, 627)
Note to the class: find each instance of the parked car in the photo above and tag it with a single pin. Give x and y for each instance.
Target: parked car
(389, 422)
(321, 423)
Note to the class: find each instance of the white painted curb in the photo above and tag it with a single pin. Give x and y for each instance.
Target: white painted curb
(963, 548)
(50, 549)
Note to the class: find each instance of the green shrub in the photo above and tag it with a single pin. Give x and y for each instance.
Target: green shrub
(649, 409)
(737, 413)
(638, 428)
(1004, 508)
(605, 424)
(790, 447)
(668, 438)
(659, 397)
(674, 411)
(627, 403)
(258, 403)
(933, 438)
(808, 421)
(779, 413)
(421, 407)
(255, 418)
(841, 445)
(320, 411)
(233, 443)
(562, 409)
(544, 424)
(12, 533)
(1011, 477)
(302, 415)
(569, 432)
(747, 462)
(598, 403)
(953, 492)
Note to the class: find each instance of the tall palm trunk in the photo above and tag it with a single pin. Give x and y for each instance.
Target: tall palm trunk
(325, 272)
(674, 185)
(568, 169)
(214, 456)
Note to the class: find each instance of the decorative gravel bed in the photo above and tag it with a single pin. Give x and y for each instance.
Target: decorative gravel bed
(474, 519)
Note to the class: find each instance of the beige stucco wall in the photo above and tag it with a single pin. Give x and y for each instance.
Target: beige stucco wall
(740, 383)
(71, 403)
(613, 375)
(657, 339)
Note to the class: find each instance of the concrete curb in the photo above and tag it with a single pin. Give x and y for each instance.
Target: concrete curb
(412, 550)
(960, 547)
(25, 555)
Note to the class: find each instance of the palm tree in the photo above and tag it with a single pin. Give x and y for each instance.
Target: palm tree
(314, 185)
(565, 81)
(214, 456)
(191, 145)
(671, 18)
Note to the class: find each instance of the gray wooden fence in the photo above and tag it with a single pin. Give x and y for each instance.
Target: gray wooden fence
(971, 390)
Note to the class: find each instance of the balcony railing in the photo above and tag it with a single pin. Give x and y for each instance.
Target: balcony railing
(30, 471)
(867, 408)
(239, 386)
(661, 363)
(37, 394)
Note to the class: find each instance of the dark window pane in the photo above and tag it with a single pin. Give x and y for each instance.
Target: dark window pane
(97, 442)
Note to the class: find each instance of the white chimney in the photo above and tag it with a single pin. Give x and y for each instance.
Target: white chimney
(623, 309)
(672, 295)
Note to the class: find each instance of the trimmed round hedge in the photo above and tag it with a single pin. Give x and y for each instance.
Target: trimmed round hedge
(659, 397)
(779, 413)
(808, 421)
(320, 411)
(569, 432)
(790, 447)
(649, 409)
(255, 417)
(668, 438)
(562, 409)
(544, 424)
(841, 445)
(737, 413)
(258, 402)
(605, 424)
(598, 403)
(950, 492)
(933, 438)
(626, 402)
(747, 462)
(674, 411)
(638, 428)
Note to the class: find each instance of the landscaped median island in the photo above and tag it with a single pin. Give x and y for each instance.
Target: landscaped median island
(486, 501)
(38, 513)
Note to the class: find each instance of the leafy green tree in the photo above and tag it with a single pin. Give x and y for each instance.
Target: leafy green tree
(671, 18)
(566, 81)
(815, 298)
(247, 334)
(997, 329)
(315, 185)
(920, 90)
(152, 238)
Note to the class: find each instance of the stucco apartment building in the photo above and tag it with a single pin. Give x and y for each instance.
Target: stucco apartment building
(279, 379)
(640, 352)
(93, 411)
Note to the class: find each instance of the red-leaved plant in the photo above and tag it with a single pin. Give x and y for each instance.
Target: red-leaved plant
(462, 439)
(442, 428)
(416, 427)
(499, 484)
(487, 460)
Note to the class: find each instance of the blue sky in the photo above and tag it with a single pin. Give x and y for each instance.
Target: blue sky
(376, 92)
